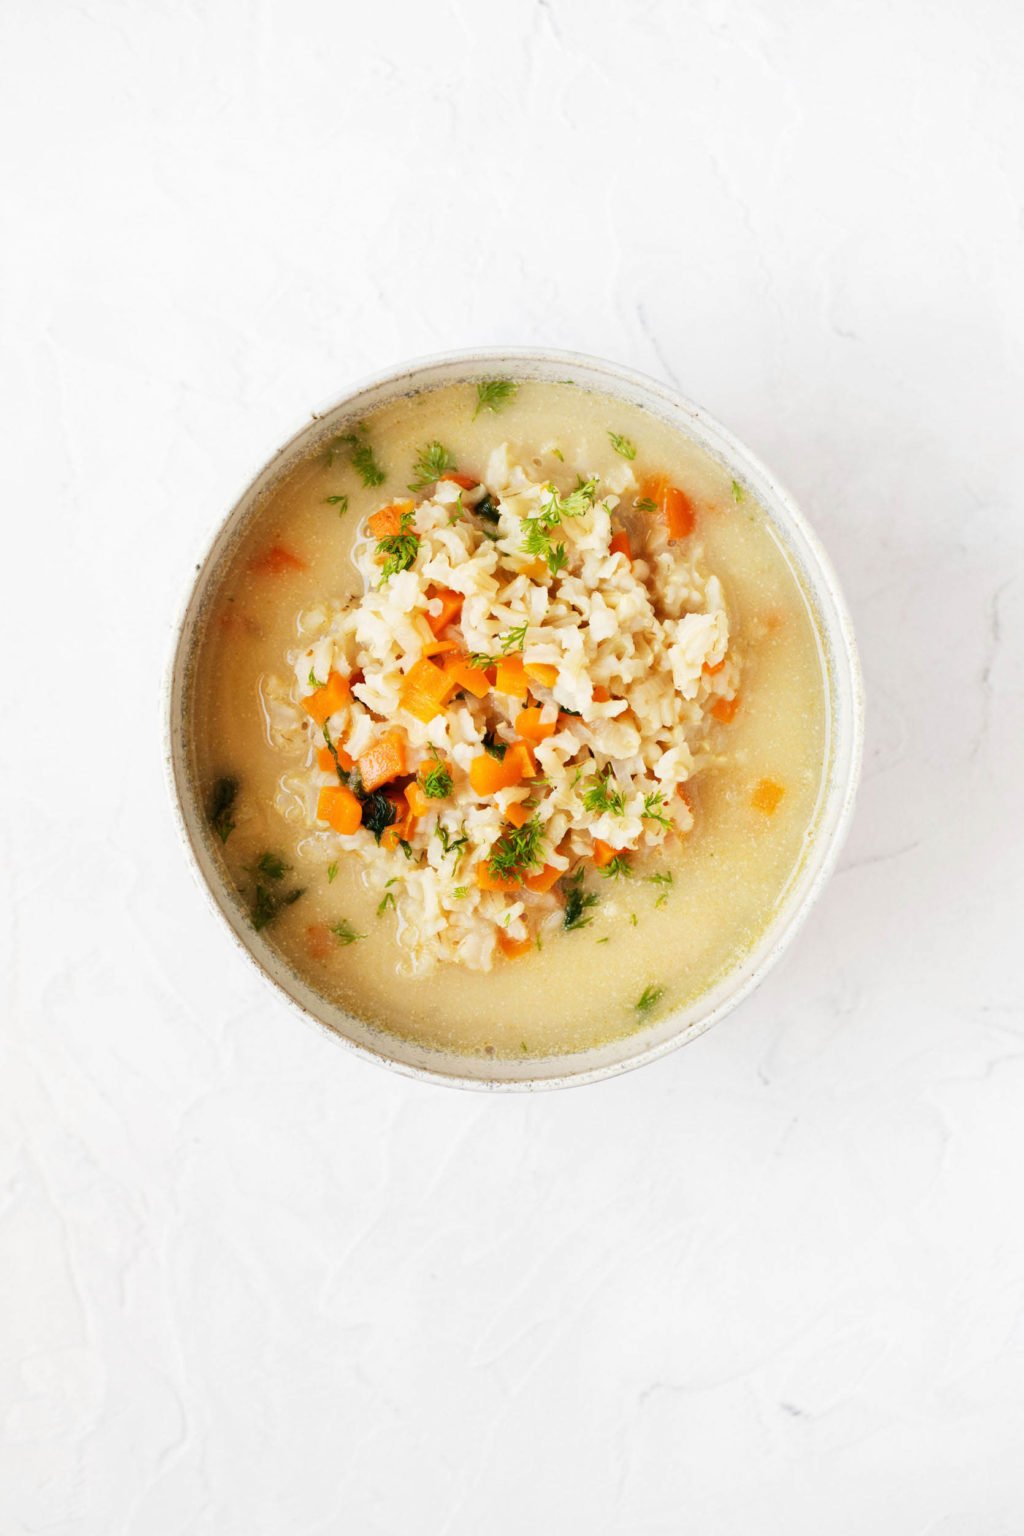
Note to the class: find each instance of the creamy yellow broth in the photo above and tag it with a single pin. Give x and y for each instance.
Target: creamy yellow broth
(729, 873)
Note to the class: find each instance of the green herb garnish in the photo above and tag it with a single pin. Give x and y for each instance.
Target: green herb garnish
(405, 846)
(222, 800)
(448, 843)
(378, 814)
(648, 997)
(267, 904)
(314, 681)
(272, 865)
(332, 871)
(387, 900)
(557, 559)
(645, 504)
(652, 809)
(341, 502)
(737, 492)
(460, 891)
(623, 445)
(360, 453)
(617, 867)
(517, 851)
(432, 462)
(436, 783)
(400, 549)
(602, 797)
(495, 747)
(492, 394)
(344, 932)
(487, 508)
(578, 902)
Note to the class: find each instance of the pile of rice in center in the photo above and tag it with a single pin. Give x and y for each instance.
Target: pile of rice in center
(604, 664)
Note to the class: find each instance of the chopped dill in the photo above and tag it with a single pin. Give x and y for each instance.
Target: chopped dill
(634, 920)
(436, 783)
(341, 502)
(493, 394)
(432, 462)
(578, 902)
(405, 846)
(387, 900)
(623, 445)
(332, 873)
(314, 681)
(517, 851)
(448, 843)
(495, 747)
(487, 509)
(648, 997)
(399, 548)
(460, 891)
(271, 865)
(225, 792)
(652, 809)
(360, 453)
(557, 559)
(267, 904)
(602, 797)
(737, 492)
(645, 504)
(617, 867)
(378, 814)
(344, 932)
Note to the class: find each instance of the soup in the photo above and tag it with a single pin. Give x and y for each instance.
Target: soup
(509, 714)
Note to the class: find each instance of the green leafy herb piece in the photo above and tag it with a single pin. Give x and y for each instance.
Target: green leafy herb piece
(405, 846)
(648, 998)
(460, 891)
(623, 445)
(344, 932)
(267, 904)
(314, 681)
(436, 783)
(495, 747)
(617, 867)
(448, 843)
(557, 559)
(601, 796)
(578, 902)
(738, 492)
(517, 851)
(332, 871)
(601, 941)
(559, 455)
(341, 502)
(387, 900)
(487, 509)
(378, 813)
(222, 801)
(493, 394)
(432, 462)
(271, 865)
(399, 548)
(360, 453)
(634, 920)
(652, 809)
(645, 504)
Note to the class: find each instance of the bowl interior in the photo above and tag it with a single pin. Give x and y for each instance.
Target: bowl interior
(844, 708)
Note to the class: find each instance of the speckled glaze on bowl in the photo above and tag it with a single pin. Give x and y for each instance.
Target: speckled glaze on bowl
(844, 697)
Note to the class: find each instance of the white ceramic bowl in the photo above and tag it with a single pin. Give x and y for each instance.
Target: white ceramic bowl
(844, 736)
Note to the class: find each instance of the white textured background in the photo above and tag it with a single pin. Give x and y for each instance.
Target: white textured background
(775, 1284)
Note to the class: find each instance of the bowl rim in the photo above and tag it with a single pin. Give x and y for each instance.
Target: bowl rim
(785, 924)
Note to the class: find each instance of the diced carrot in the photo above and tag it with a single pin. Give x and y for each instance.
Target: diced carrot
(541, 672)
(603, 853)
(601, 695)
(426, 688)
(679, 513)
(440, 647)
(520, 753)
(544, 879)
(322, 704)
(711, 671)
(386, 522)
(384, 761)
(511, 677)
(766, 796)
(517, 813)
(474, 679)
(466, 481)
(325, 759)
(275, 561)
(420, 804)
(318, 941)
(339, 807)
(530, 724)
(488, 881)
(620, 545)
(725, 709)
(513, 949)
(451, 607)
(487, 775)
(674, 505)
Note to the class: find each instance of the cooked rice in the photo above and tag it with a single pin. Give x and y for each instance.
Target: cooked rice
(647, 633)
